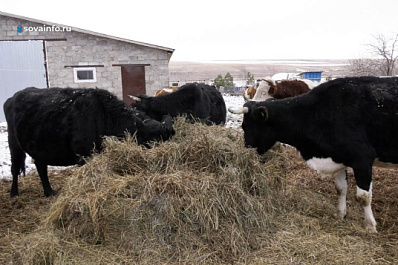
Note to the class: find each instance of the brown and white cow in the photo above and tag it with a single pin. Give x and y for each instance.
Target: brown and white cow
(279, 90)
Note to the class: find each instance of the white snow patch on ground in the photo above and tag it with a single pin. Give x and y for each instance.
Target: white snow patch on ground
(5, 157)
(234, 120)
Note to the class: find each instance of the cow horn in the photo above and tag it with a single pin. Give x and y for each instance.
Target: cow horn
(242, 110)
(134, 97)
(270, 81)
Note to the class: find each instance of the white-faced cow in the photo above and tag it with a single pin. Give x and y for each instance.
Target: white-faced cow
(347, 122)
(61, 126)
(279, 90)
(197, 101)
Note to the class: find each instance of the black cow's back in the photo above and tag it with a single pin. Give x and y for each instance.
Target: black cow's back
(218, 110)
(194, 100)
(55, 124)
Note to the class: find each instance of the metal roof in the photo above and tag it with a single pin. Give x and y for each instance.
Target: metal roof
(310, 72)
(88, 32)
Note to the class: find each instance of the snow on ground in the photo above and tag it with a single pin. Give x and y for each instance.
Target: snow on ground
(233, 121)
(5, 157)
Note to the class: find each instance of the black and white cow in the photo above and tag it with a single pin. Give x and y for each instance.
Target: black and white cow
(347, 122)
(61, 126)
(198, 101)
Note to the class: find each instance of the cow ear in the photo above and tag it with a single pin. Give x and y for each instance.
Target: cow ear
(262, 113)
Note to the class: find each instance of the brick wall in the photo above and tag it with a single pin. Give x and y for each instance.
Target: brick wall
(86, 49)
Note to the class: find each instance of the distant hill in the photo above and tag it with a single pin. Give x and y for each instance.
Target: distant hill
(208, 70)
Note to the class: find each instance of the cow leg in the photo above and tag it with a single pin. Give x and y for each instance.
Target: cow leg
(17, 166)
(42, 169)
(340, 182)
(363, 178)
(365, 199)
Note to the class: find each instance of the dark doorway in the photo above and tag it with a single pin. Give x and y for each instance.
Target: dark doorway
(133, 81)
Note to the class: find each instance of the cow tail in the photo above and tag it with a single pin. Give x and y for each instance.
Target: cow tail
(22, 170)
(18, 155)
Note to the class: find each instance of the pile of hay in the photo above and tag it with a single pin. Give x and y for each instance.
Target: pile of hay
(200, 198)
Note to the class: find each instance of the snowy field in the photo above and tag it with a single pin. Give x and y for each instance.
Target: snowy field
(233, 121)
(330, 63)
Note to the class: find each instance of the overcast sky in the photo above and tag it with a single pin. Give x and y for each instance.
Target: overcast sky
(228, 29)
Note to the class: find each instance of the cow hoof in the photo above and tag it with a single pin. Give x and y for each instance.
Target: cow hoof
(371, 229)
(14, 195)
(341, 216)
(50, 194)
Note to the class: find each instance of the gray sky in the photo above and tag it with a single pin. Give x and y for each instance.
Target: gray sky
(228, 29)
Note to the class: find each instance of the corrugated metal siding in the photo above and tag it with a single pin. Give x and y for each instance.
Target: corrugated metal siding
(21, 66)
(314, 76)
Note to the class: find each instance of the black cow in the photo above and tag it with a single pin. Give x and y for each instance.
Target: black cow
(60, 126)
(348, 122)
(198, 101)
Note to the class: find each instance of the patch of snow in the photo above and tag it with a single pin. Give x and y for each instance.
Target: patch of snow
(233, 120)
(5, 157)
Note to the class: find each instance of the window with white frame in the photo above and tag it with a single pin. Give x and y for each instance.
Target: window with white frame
(84, 74)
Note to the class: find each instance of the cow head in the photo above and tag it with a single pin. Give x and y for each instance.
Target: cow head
(263, 90)
(256, 125)
(145, 104)
(272, 87)
(140, 100)
(153, 130)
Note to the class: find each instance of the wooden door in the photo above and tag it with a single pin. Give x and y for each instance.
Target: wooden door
(133, 82)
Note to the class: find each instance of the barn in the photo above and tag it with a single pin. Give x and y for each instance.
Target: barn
(45, 54)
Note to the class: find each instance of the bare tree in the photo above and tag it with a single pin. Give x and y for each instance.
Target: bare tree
(385, 48)
(364, 67)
